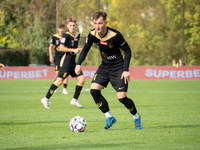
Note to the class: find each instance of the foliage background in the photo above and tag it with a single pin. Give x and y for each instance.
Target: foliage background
(153, 28)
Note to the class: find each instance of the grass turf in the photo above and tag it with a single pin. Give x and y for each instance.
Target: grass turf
(170, 111)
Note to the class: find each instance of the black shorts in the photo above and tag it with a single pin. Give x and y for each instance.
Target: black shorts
(64, 72)
(57, 63)
(103, 76)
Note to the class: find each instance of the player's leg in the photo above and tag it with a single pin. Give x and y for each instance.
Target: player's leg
(121, 89)
(129, 104)
(78, 89)
(57, 67)
(102, 104)
(62, 74)
(65, 81)
(53, 87)
(100, 80)
(56, 75)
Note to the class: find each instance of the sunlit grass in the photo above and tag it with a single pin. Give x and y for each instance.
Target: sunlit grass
(170, 111)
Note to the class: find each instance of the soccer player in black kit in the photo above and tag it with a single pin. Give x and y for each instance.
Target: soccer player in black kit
(69, 45)
(55, 40)
(114, 68)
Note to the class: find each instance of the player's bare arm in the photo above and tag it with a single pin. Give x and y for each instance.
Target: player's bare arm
(66, 49)
(51, 59)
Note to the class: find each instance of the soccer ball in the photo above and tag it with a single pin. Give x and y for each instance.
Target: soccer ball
(77, 124)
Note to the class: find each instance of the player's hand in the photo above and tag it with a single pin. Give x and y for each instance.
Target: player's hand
(78, 69)
(127, 76)
(78, 50)
(2, 67)
(51, 59)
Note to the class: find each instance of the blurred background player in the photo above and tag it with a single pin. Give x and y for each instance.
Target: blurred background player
(174, 63)
(58, 54)
(114, 68)
(181, 63)
(69, 45)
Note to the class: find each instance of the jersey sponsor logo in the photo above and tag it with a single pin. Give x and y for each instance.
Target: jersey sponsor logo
(57, 42)
(103, 43)
(51, 41)
(58, 48)
(111, 57)
(104, 55)
(63, 40)
(75, 39)
(72, 43)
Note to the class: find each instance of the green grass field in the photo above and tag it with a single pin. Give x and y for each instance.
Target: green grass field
(170, 111)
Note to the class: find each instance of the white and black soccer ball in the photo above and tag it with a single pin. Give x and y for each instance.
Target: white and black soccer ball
(77, 124)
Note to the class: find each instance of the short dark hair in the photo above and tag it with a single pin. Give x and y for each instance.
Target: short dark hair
(71, 20)
(99, 14)
(61, 25)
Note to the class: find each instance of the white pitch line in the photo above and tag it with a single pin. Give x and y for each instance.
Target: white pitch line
(87, 90)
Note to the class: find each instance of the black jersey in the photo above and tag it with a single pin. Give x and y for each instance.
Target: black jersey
(109, 46)
(55, 40)
(70, 41)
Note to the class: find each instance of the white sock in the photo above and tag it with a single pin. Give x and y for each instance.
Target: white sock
(108, 114)
(46, 99)
(136, 116)
(73, 99)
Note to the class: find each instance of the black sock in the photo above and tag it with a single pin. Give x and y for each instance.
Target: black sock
(77, 91)
(52, 88)
(65, 86)
(129, 104)
(100, 100)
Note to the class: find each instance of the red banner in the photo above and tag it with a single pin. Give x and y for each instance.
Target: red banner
(165, 72)
(137, 72)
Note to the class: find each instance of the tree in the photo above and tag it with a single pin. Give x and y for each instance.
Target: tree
(154, 29)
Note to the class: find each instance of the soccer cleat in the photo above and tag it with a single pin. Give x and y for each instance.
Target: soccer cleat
(45, 102)
(64, 91)
(138, 123)
(109, 122)
(76, 103)
(55, 91)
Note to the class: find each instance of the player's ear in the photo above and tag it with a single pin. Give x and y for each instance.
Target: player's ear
(106, 22)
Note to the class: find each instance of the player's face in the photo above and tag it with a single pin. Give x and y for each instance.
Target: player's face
(71, 26)
(61, 31)
(100, 25)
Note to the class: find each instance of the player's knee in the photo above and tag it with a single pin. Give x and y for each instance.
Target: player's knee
(95, 93)
(81, 80)
(123, 100)
(128, 103)
(58, 81)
